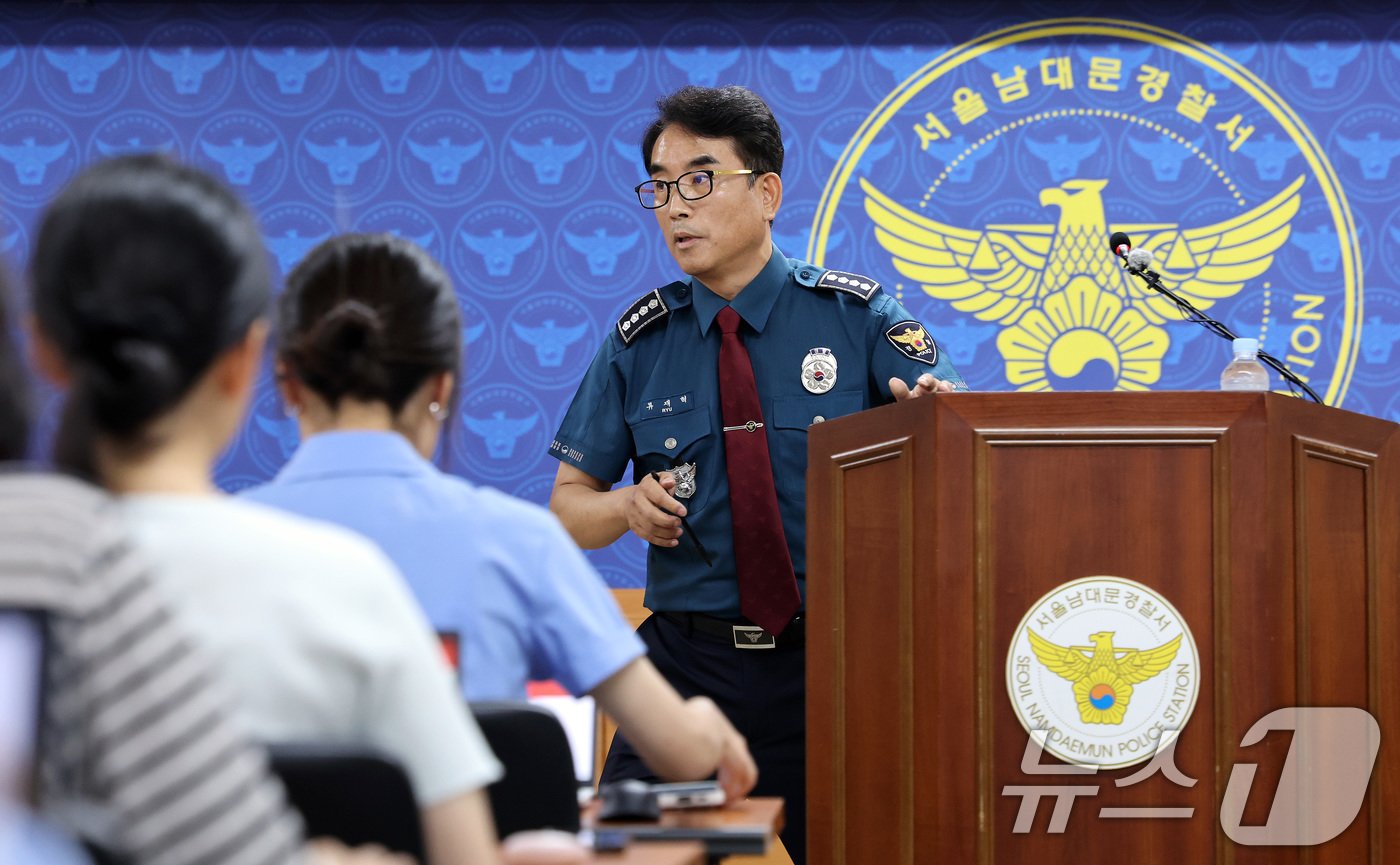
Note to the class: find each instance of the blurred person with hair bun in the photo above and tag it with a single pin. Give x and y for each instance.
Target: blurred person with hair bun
(137, 752)
(368, 349)
(150, 302)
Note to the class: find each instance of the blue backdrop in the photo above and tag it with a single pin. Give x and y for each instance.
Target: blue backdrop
(971, 158)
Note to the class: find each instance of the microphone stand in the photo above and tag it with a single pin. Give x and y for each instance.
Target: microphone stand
(1154, 282)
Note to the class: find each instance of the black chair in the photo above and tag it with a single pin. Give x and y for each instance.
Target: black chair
(539, 790)
(352, 793)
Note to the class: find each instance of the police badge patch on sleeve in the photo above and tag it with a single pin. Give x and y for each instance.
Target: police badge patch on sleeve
(912, 340)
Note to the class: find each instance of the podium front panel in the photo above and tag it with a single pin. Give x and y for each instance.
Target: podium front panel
(936, 526)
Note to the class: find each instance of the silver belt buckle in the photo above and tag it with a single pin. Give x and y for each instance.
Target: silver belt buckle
(753, 637)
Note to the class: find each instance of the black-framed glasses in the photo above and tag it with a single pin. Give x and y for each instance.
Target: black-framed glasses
(692, 185)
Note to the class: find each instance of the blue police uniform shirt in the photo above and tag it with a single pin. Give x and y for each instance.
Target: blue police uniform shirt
(500, 573)
(651, 397)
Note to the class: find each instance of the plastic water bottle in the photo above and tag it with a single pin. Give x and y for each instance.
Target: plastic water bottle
(1245, 372)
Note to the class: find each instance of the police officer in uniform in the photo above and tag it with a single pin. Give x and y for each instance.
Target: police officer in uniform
(708, 386)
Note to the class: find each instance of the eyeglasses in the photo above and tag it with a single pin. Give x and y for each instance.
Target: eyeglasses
(692, 186)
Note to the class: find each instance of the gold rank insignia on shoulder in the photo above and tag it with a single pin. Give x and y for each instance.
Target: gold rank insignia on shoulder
(862, 287)
(649, 308)
(913, 341)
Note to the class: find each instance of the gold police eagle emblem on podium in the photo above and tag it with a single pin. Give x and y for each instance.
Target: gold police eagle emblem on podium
(1106, 669)
(1103, 675)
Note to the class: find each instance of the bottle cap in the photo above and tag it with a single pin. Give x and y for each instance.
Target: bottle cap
(1246, 345)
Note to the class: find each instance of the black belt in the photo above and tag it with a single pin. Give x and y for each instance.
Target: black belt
(740, 634)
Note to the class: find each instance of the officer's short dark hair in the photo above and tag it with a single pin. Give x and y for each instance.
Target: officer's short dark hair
(370, 317)
(732, 112)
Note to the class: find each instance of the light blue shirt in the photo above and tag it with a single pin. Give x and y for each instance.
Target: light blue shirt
(651, 397)
(500, 573)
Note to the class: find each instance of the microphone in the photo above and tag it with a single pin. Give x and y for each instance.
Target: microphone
(1138, 262)
(1140, 259)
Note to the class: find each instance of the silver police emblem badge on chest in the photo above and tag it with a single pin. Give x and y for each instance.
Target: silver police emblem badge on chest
(685, 480)
(819, 370)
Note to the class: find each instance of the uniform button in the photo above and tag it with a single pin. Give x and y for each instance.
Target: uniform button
(806, 274)
(818, 419)
(670, 443)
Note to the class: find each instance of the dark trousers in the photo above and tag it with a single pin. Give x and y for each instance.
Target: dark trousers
(763, 693)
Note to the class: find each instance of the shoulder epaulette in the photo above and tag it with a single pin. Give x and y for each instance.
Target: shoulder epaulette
(644, 311)
(862, 287)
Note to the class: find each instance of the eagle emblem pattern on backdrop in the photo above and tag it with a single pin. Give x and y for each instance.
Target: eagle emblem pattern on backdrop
(506, 141)
(1063, 300)
(1084, 127)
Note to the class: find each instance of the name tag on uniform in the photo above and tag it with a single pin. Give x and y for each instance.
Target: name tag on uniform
(666, 405)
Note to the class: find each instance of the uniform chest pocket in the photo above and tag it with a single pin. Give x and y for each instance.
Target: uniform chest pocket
(800, 412)
(679, 443)
(792, 416)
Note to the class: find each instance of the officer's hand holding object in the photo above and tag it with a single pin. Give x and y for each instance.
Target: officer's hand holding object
(650, 510)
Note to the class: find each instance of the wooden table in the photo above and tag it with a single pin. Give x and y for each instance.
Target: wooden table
(743, 828)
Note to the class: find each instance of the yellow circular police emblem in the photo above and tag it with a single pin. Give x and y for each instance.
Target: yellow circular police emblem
(1030, 145)
(1106, 668)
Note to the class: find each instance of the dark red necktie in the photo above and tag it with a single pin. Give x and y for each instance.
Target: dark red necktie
(768, 593)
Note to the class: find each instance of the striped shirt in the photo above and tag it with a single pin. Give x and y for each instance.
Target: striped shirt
(136, 728)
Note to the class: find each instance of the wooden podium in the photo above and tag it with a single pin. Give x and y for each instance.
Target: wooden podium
(1271, 524)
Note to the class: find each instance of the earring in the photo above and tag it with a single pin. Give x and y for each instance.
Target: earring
(291, 411)
(437, 411)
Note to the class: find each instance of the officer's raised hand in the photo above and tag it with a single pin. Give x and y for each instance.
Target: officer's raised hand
(652, 514)
(923, 385)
